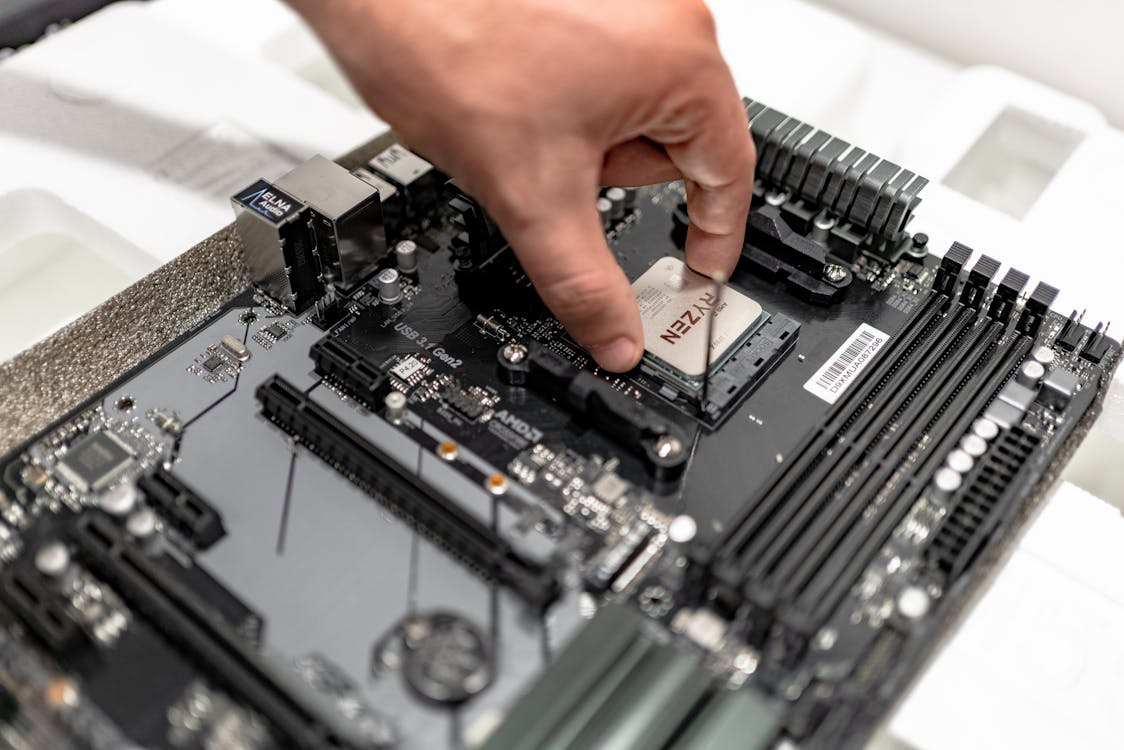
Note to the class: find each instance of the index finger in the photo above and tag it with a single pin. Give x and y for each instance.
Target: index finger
(716, 156)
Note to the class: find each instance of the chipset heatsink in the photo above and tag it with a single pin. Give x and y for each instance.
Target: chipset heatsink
(676, 307)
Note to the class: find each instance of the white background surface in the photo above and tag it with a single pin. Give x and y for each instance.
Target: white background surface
(121, 136)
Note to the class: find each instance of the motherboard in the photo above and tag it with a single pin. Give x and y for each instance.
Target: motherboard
(383, 500)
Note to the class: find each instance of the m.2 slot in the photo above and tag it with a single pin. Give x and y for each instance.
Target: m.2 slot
(424, 505)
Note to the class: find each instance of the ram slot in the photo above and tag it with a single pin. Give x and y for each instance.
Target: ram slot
(787, 529)
(831, 582)
(906, 346)
(846, 494)
(191, 625)
(425, 505)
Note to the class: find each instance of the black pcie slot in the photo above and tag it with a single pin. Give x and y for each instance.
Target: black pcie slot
(853, 406)
(876, 454)
(369, 468)
(190, 625)
(787, 527)
(345, 365)
(183, 508)
(821, 598)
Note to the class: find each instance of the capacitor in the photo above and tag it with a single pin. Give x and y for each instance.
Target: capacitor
(914, 602)
(395, 406)
(120, 500)
(605, 208)
(52, 559)
(1030, 373)
(616, 196)
(959, 461)
(682, 529)
(947, 481)
(142, 523)
(406, 253)
(390, 289)
(629, 199)
(1044, 356)
(973, 445)
(985, 429)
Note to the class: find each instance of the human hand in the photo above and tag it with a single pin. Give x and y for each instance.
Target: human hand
(532, 105)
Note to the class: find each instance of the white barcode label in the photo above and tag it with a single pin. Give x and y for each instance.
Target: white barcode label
(837, 374)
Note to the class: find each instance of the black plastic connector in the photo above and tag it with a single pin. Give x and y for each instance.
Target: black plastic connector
(367, 466)
(979, 278)
(1035, 309)
(1096, 348)
(1069, 338)
(183, 508)
(349, 369)
(25, 591)
(1007, 295)
(662, 444)
(952, 265)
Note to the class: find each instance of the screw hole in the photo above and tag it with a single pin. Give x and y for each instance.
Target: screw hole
(125, 404)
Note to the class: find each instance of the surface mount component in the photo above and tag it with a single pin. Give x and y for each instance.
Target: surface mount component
(95, 462)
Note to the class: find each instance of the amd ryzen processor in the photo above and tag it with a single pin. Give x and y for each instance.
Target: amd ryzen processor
(675, 306)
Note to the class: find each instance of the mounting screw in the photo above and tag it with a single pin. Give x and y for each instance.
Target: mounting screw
(776, 197)
(514, 353)
(834, 273)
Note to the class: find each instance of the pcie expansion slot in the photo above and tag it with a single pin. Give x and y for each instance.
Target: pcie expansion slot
(189, 624)
(427, 507)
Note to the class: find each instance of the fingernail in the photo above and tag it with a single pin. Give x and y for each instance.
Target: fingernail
(618, 355)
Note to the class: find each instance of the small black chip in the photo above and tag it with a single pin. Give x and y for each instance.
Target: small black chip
(95, 462)
(275, 330)
(213, 363)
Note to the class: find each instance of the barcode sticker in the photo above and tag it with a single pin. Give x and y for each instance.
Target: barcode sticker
(837, 374)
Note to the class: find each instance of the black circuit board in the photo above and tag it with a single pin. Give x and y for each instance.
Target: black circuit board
(435, 523)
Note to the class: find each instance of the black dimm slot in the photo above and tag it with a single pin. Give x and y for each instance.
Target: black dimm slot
(821, 598)
(193, 627)
(843, 515)
(369, 468)
(842, 505)
(787, 527)
(851, 407)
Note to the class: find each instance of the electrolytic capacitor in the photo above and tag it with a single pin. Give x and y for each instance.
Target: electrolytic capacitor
(1030, 373)
(605, 208)
(406, 253)
(390, 289)
(616, 197)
